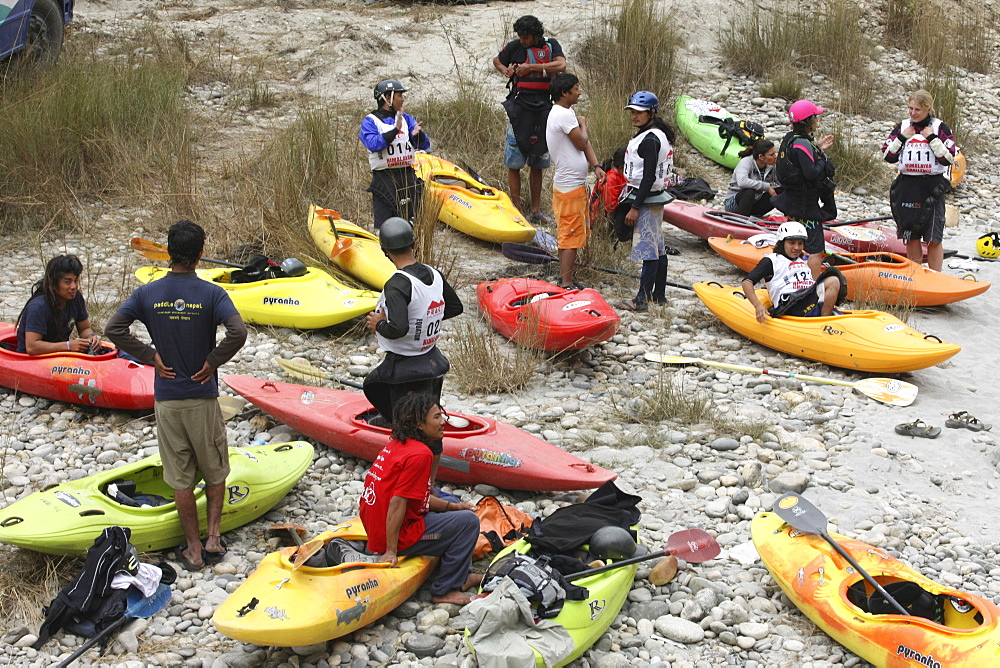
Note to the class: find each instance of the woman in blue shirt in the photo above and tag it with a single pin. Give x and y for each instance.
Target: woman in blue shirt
(56, 306)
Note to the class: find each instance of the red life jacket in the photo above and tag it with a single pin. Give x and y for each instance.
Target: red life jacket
(536, 80)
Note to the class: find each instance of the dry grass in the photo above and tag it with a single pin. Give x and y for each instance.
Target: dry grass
(29, 581)
(899, 22)
(943, 84)
(857, 164)
(481, 363)
(664, 398)
(783, 83)
(736, 427)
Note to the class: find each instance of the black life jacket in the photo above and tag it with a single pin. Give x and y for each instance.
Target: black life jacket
(785, 169)
(745, 132)
(572, 526)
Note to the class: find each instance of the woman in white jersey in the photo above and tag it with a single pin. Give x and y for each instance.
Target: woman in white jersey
(649, 166)
(923, 148)
(790, 284)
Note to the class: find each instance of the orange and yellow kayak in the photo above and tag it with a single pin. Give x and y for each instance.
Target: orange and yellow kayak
(885, 278)
(964, 634)
(279, 606)
(363, 259)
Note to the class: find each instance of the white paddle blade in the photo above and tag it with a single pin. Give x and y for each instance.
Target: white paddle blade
(301, 369)
(888, 390)
(654, 356)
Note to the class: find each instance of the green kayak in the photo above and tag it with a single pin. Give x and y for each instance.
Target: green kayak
(66, 518)
(705, 136)
(585, 620)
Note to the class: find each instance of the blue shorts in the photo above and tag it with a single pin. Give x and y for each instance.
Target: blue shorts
(514, 159)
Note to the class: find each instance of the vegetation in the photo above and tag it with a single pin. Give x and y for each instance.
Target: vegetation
(664, 398)
(482, 363)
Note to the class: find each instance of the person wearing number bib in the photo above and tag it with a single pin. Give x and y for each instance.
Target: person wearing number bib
(392, 137)
(789, 278)
(922, 148)
(407, 324)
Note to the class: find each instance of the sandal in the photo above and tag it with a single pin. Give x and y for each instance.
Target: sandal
(539, 219)
(215, 557)
(631, 305)
(187, 563)
(963, 420)
(918, 428)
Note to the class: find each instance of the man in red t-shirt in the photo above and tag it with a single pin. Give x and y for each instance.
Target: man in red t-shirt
(400, 514)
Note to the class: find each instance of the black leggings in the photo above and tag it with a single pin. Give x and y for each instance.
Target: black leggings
(748, 204)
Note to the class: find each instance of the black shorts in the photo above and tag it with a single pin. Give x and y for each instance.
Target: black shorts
(815, 241)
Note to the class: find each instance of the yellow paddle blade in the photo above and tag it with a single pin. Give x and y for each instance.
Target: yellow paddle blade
(888, 390)
(150, 249)
(303, 370)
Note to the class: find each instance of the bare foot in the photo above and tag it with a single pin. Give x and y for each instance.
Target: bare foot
(474, 580)
(456, 597)
(192, 557)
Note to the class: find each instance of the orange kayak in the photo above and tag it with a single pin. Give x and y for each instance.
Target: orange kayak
(885, 278)
(965, 633)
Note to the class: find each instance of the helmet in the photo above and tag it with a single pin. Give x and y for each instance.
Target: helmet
(803, 109)
(643, 101)
(388, 86)
(293, 266)
(395, 234)
(792, 230)
(612, 542)
(988, 245)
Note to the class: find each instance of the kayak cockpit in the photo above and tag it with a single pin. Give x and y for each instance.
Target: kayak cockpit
(952, 610)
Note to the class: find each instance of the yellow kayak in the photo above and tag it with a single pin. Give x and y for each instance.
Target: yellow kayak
(469, 205)
(279, 606)
(315, 299)
(871, 341)
(363, 259)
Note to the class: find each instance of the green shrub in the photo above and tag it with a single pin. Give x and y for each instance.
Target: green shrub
(857, 164)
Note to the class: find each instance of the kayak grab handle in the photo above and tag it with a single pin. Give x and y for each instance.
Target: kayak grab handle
(931, 337)
(11, 521)
(589, 468)
(269, 384)
(283, 448)
(716, 283)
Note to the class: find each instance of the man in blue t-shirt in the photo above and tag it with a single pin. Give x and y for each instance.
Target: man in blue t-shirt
(181, 312)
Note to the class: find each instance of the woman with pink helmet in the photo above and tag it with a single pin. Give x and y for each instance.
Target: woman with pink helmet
(806, 176)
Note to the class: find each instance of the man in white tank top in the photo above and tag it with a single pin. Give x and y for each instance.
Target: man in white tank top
(407, 324)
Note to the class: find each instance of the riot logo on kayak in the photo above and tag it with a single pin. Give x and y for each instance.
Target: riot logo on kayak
(833, 331)
(596, 608)
(237, 493)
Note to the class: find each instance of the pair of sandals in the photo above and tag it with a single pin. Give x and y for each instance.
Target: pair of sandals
(960, 420)
(206, 556)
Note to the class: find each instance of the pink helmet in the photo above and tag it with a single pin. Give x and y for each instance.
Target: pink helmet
(803, 109)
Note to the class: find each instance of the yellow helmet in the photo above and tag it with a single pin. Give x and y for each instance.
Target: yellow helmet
(988, 245)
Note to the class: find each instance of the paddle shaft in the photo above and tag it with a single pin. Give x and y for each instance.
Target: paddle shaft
(868, 578)
(692, 555)
(976, 257)
(751, 369)
(82, 649)
(155, 251)
(856, 222)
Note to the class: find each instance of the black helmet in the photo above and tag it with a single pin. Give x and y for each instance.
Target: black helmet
(612, 542)
(388, 86)
(395, 234)
(293, 266)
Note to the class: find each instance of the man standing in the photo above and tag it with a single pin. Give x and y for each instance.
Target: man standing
(569, 146)
(181, 312)
(529, 62)
(407, 325)
(391, 138)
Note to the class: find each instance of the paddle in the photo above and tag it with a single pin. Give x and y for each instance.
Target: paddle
(303, 550)
(342, 243)
(309, 372)
(738, 219)
(976, 257)
(531, 255)
(691, 545)
(804, 516)
(887, 390)
(856, 222)
(155, 251)
(137, 607)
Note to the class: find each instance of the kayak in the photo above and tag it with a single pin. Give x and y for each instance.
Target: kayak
(484, 451)
(830, 593)
(884, 278)
(280, 607)
(871, 341)
(705, 136)
(957, 171)
(66, 518)
(704, 222)
(105, 380)
(586, 620)
(311, 301)
(470, 206)
(541, 315)
(364, 259)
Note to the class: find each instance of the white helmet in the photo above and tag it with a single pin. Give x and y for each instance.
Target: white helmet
(792, 230)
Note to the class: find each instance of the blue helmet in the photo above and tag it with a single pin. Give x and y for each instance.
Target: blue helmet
(643, 101)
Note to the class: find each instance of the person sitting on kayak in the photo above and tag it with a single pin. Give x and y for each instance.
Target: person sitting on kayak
(789, 279)
(401, 515)
(754, 181)
(55, 307)
(392, 137)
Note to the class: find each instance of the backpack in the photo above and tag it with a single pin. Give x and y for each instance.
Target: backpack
(787, 172)
(539, 583)
(747, 133)
(499, 526)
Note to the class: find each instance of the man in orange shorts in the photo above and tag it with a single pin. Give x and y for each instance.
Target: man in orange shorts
(570, 150)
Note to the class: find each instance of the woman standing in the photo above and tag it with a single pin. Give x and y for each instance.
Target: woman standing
(754, 181)
(923, 148)
(649, 164)
(55, 307)
(806, 177)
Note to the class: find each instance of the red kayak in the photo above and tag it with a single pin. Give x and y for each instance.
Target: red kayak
(105, 380)
(540, 315)
(704, 222)
(482, 451)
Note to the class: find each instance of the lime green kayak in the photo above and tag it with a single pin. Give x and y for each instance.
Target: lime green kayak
(705, 136)
(66, 518)
(585, 620)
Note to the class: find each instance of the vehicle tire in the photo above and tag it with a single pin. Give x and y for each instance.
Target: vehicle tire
(45, 35)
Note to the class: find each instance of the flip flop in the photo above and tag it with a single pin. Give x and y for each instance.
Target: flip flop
(630, 305)
(215, 557)
(963, 420)
(918, 428)
(179, 556)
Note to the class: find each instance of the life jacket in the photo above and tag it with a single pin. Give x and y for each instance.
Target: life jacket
(634, 164)
(744, 132)
(499, 526)
(785, 168)
(398, 153)
(789, 276)
(916, 157)
(424, 316)
(604, 196)
(536, 81)
(542, 585)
